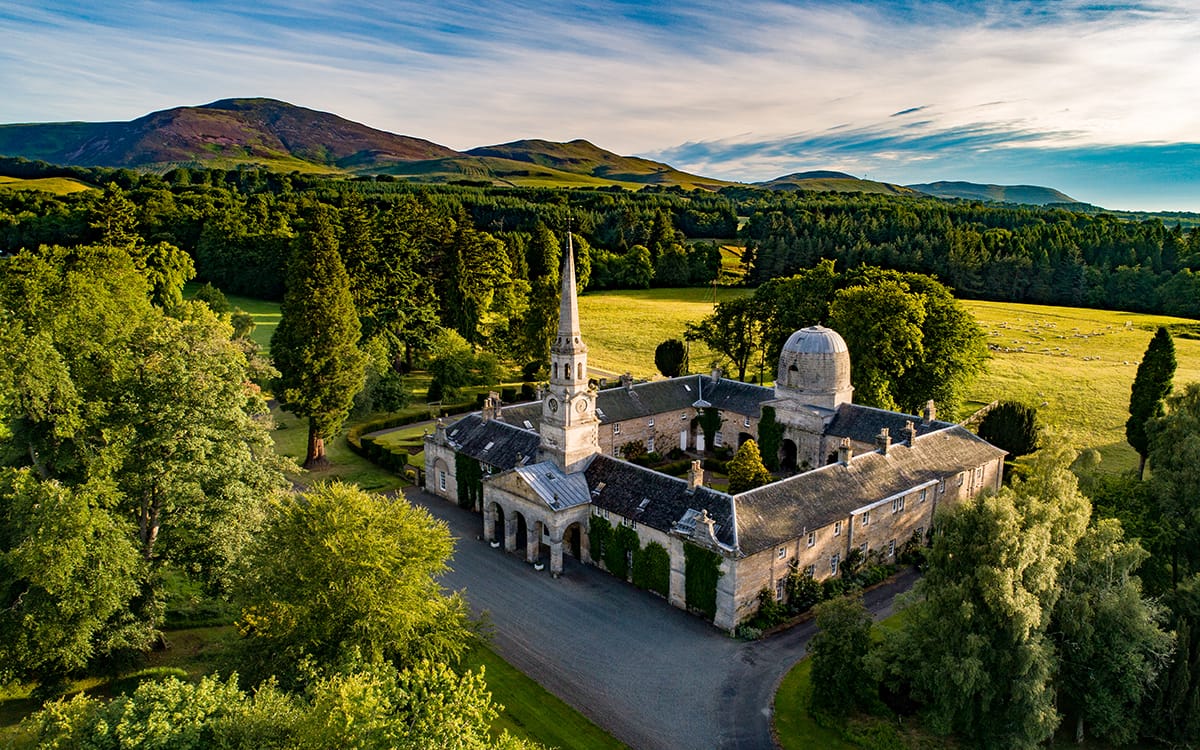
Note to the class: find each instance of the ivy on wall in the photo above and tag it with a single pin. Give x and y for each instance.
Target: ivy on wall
(770, 437)
(469, 474)
(599, 537)
(710, 421)
(701, 568)
(617, 552)
(652, 568)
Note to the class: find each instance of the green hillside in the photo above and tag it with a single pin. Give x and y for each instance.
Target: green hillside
(583, 158)
(496, 171)
(1027, 194)
(832, 182)
(56, 185)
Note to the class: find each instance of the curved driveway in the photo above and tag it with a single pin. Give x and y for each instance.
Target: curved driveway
(652, 675)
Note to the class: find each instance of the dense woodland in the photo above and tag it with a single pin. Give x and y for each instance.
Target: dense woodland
(135, 449)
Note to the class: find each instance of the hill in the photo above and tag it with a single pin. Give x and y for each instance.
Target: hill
(224, 133)
(827, 181)
(55, 185)
(1026, 194)
(579, 157)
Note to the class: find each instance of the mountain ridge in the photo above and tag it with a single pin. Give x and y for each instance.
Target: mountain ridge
(1036, 195)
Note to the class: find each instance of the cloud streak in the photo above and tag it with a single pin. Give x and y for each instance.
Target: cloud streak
(878, 87)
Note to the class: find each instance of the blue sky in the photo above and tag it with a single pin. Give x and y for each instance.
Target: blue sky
(1095, 99)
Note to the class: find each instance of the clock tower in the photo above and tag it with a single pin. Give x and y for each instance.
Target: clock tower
(570, 430)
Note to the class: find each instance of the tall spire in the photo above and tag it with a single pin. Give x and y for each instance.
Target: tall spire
(568, 339)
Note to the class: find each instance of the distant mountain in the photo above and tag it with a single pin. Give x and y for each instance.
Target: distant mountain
(225, 133)
(1027, 194)
(826, 181)
(579, 157)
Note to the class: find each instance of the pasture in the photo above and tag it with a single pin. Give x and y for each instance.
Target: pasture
(55, 185)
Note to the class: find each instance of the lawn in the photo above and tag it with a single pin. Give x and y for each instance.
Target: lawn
(55, 185)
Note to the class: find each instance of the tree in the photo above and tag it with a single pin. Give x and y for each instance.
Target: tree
(974, 648)
(1111, 647)
(1012, 426)
(315, 345)
(881, 324)
(839, 657)
(1175, 455)
(670, 357)
(68, 572)
(338, 571)
(734, 330)
(746, 470)
(1151, 385)
(770, 437)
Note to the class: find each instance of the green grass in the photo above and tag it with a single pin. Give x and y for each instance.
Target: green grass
(291, 440)
(795, 729)
(623, 327)
(1077, 367)
(410, 440)
(55, 185)
(266, 318)
(533, 713)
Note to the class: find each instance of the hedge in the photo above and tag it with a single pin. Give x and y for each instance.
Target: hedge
(702, 568)
(652, 568)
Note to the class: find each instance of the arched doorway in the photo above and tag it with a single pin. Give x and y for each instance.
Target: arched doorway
(573, 541)
(743, 437)
(521, 534)
(788, 459)
(497, 517)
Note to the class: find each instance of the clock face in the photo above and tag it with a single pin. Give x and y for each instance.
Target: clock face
(553, 404)
(581, 406)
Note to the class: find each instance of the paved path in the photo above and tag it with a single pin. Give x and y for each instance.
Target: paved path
(652, 675)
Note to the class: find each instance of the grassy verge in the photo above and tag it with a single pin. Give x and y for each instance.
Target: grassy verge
(533, 713)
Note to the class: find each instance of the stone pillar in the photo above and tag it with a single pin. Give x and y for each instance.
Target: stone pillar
(533, 541)
(585, 545)
(726, 617)
(677, 594)
(556, 553)
(489, 522)
(510, 532)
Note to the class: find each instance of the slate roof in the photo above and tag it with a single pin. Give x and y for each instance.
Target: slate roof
(790, 508)
(863, 423)
(495, 443)
(624, 488)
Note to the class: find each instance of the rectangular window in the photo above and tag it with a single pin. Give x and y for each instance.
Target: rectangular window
(810, 571)
(779, 590)
(833, 563)
(891, 548)
(961, 475)
(650, 422)
(616, 429)
(866, 516)
(923, 495)
(442, 481)
(782, 553)
(837, 528)
(941, 486)
(812, 538)
(863, 549)
(979, 476)
(718, 440)
(683, 417)
(746, 422)
(650, 444)
(897, 504)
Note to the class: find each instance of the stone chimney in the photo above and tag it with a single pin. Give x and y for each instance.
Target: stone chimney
(439, 431)
(491, 407)
(696, 475)
(716, 373)
(627, 380)
(910, 433)
(845, 452)
(883, 441)
(930, 413)
(539, 393)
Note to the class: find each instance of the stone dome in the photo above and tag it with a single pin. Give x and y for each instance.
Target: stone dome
(814, 368)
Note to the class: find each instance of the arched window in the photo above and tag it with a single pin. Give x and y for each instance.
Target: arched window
(579, 369)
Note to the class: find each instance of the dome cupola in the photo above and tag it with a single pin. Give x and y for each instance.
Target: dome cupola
(814, 368)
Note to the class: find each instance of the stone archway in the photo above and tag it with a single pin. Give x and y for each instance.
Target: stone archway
(575, 541)
(493, 523)
(743, 437)
(788, 455)
(517, 531)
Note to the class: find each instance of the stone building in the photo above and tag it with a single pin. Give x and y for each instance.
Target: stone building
(867, 479)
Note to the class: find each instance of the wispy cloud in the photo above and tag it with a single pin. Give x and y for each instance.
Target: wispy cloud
(774, 85)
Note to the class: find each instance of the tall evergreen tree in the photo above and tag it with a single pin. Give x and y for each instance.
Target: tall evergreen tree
(315, 346)
(746, 470)
(1150, 387)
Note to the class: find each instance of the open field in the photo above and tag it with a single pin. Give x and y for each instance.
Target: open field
(56, 185)
(1077, 366)
(623, 327)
